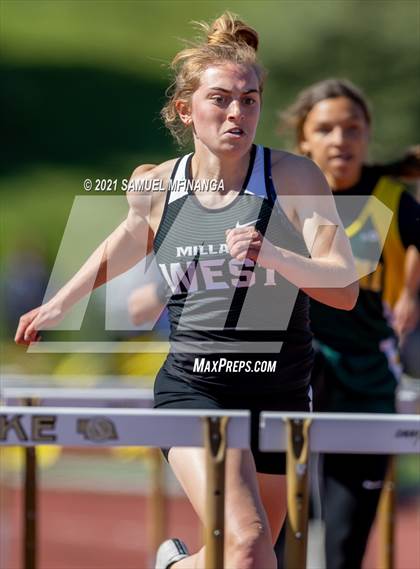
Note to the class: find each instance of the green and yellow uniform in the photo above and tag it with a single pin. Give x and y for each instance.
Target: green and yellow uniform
(357, 358)
(358, 346)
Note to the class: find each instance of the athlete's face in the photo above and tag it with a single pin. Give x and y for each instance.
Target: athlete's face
(336, 137)
(225, 109)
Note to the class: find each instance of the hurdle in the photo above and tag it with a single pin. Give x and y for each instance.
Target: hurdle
(103, 397)
(89, 427)
(298, 434)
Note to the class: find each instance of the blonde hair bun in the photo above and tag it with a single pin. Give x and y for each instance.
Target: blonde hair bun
(229, 29)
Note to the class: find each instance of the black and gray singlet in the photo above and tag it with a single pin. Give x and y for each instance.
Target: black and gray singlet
(224, 310)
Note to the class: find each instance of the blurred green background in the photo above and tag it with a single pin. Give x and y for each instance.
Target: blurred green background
(84, 81)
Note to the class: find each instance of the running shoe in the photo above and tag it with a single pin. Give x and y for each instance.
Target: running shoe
(169, 552)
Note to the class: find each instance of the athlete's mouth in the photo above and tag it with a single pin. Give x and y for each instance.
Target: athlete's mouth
(343, 156)
(235, 131)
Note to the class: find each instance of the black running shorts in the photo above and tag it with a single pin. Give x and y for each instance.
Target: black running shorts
(175, 393)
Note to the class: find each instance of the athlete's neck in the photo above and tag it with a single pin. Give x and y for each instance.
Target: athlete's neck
(231, 170)
(340, 184)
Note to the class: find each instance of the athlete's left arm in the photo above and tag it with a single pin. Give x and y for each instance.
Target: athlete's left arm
(406, 311)
(329, 275)
(409, 220)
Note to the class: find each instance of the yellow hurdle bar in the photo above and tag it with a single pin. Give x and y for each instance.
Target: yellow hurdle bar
(215, 443)
(297, 492)
(386, 520)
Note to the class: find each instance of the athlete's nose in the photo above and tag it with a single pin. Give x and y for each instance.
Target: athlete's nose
(337, 135)
(235, 110)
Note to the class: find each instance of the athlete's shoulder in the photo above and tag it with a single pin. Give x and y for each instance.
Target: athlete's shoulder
(288, 162)
(154, 171)
(297, 174)
(141, 194)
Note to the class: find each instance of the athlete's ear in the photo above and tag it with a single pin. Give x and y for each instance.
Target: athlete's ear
(184, 111)
(304, 147)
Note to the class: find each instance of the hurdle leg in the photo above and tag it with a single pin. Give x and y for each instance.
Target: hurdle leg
(156, 502)
(297, 493)
(215, 449)
(386, 519)
(30, 506)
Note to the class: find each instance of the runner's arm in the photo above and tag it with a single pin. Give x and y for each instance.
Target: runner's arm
(329, 275)
(126, 246)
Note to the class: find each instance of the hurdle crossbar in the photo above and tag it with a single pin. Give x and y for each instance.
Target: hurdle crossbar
(358, 433)
(31, 426)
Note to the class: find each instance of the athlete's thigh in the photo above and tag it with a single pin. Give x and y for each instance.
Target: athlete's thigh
(274, 499)
(243, 505)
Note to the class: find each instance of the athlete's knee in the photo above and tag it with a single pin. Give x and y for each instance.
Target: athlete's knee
(250, 547)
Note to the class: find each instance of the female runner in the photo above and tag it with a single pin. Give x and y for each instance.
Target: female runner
(356, 360)
(235, 260)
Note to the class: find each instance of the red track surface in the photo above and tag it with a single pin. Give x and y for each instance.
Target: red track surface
(80, 530)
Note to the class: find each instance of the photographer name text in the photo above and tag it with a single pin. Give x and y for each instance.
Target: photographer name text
(152, 185)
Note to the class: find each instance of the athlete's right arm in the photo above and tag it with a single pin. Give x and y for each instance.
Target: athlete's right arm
(126, 246)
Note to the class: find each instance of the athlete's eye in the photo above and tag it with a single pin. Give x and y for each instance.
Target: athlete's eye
(218, 99)
(249, 101)
(323, 129)
(353, 129)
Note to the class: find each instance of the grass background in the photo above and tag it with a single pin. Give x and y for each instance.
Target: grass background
(84, 81)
